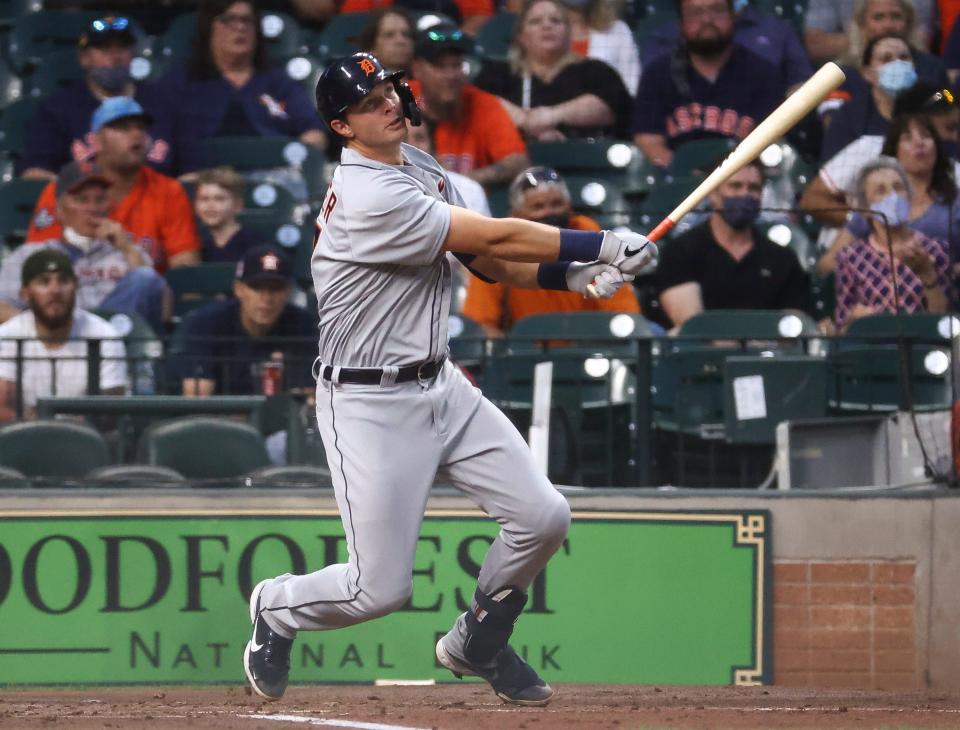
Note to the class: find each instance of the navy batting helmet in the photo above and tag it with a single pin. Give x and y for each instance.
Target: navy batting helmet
(347, 80)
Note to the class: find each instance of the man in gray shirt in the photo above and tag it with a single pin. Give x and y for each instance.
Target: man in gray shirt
(112, 271)
(392, 410)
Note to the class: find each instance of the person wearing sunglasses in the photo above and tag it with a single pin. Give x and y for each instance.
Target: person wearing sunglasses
(59, 132)
(228, 86)
(538, 194)
(472, 134)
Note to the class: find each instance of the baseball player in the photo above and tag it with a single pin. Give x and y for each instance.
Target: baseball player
(394, 413)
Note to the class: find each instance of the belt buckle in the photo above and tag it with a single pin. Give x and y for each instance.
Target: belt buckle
(420, 369)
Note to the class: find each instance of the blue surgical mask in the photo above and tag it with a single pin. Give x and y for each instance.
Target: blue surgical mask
(893, 210)
(739, 5)
(112, 79)
(896, 77)
(740, 211)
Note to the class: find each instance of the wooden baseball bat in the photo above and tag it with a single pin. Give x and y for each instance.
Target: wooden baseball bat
(794, 108)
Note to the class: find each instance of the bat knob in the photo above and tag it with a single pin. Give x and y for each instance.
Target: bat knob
(592, 292)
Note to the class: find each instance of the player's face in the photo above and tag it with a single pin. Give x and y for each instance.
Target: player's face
(123, 144)
(394, 42)
(216, 206)
(747, 181)
(377, 119)
(261, 303)
(51, 297)
(83, 209)
(543, 203)
(916, 149)
(880, 183)
(234, 32)
(442, 79)
(545, 32)
(883, 17)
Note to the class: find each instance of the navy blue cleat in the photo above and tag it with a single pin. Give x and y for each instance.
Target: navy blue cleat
(266, 659)
(512, 679)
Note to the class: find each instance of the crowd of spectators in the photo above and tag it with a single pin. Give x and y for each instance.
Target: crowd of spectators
(131, 193)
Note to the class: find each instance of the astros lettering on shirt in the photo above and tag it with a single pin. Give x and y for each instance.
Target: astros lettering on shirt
(746, 90)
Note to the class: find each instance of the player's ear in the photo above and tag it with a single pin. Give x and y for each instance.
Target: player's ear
(342, 128)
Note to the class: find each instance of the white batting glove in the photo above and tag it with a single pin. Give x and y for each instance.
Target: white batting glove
(595, 280)
(632, 253)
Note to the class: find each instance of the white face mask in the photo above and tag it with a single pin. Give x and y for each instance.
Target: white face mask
(84, 243)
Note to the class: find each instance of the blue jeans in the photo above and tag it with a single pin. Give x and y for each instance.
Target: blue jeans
(140, 291)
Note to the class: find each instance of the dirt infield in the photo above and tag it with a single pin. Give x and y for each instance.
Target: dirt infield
(472, 706)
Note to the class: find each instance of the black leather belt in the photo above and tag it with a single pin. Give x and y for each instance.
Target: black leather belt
(373, 376)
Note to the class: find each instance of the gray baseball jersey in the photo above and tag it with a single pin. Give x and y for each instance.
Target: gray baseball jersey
(381, 278)
(383, 287)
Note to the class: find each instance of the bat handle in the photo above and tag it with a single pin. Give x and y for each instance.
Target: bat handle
(663, 227)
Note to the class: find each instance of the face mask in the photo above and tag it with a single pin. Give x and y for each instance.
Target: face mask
(740, 211)
(76, 240)
(112, 79)
(893, 210)
(559, 220)
(739, 5)
(896, 77)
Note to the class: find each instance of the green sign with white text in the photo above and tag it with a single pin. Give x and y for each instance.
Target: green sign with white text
(154, 598)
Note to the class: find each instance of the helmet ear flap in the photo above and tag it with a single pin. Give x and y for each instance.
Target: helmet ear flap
(409, 103)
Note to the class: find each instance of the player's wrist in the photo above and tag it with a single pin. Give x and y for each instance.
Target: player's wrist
(553, 275)
(580, 245)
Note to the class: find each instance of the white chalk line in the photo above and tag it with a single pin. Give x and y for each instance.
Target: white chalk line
(333, 723)
(821, 708)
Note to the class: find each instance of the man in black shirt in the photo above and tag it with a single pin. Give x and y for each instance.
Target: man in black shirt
(256, 343)
(725, 263)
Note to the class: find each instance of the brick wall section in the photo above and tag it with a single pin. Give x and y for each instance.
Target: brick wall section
(845, 624)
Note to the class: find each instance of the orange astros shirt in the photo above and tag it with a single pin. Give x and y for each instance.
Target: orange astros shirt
(483, 135)
(156, 211)
(496, 305)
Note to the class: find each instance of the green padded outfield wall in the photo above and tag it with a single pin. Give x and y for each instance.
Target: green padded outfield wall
(155, 597)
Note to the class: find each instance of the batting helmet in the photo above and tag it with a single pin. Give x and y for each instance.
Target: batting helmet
(347, 80)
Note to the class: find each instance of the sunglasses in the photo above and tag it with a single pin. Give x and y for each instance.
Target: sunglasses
(944, 96)
(536, 176)
(444, 36)
(106, 25)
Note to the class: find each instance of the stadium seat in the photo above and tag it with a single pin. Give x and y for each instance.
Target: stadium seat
(52, 449)
(662, 198)
(699, 157)
(613, 161)
(792, 236)
(748, 324)
(246, 154)
(35, 36)
(305, 69)
(13, 126)
(136, 475)
(591, 195)
(283, 34)
(12, 479)
(11, 86)
(17, 200)
(495, 36)
(194, 286)
(59, 69)
(176, 42)
(607, 332)
(204, 448)
(467, 340)
(289, 476)
(339, 36)
(144, 348)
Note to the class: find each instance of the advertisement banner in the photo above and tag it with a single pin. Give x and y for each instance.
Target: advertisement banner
(154, 598)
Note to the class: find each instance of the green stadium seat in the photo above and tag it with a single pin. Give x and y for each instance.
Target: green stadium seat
(748, 324)
(661, 200)
(339, 36)
(792, 236)
(305, 69)
(699, 157)
(605, 332)
(591, 195)
(194, 286)
(177, 41)
(495, 36)
(52, 449)
(59, 69)
(35, 36)
(204, 448)
(283, 35)
(143, 347)
(290, 477)
(467, 340)
(135, 475)
(613, 161)
(11, 86)
(13, 126)
(17, 200)
(12, 479)
(246, 154)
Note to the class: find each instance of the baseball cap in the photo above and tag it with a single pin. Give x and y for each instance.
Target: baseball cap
(433, 42)
(264, 263)
(115, 108)
(103, 30)
(75, 175)
(45, 261)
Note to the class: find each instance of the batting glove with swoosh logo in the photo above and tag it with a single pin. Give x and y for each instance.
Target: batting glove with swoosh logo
(604, 278)
(632, 253)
